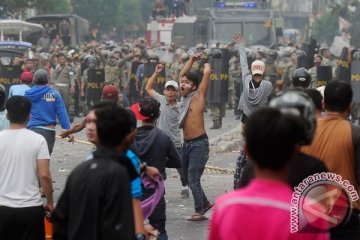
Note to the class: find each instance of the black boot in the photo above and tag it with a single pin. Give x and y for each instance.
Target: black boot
(216, 124)
(220, 123)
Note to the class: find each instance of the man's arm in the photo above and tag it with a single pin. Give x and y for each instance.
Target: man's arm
(61, 112)
(150, 83)
(77, 127)
(205, 80)
(46, 182)
(188, 65)
(240, 44)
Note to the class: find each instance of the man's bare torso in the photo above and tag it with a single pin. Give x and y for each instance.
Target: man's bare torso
(194, 125)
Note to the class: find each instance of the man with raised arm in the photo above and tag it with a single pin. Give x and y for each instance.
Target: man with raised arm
(195, 152)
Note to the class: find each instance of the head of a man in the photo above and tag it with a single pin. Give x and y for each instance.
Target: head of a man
(110, 93)
(61, 59)
(275, 145)
(189, 83)
(147, 110)
(18, 109)
(257, 70)
(170, 90)
(26, 77)
(41, 77)
(338, 97)
(301, 78)
(107, 124)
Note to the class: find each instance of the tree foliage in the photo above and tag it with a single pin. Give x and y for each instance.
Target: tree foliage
(326, 27)
(15, 7)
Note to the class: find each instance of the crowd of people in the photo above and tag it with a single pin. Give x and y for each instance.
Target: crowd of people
(290, 129)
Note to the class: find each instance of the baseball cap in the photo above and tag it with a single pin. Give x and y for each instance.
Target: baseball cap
(172, 83)
(110, 92)
(26, 77)
(258, 67)
(146, 108)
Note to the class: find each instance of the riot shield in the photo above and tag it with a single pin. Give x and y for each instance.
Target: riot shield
(219, 79)
(149, 69)
(9, 75)
(94, 85)
(355, 80)
(133, 93)
(343, 71)
(324, 75)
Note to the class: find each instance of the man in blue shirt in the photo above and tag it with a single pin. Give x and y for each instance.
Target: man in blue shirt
(47, 105)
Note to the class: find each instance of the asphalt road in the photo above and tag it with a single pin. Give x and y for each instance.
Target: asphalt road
(68, 155)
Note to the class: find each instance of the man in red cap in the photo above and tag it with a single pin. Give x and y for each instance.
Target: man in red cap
(26, 79)
(111, 93)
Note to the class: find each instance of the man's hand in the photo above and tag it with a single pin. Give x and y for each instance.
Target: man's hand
(159, 68)
(207, 68)
(64, 134)
(238, 38)
(49, 207)
(151, 231)
(196, 56)
(151, 172)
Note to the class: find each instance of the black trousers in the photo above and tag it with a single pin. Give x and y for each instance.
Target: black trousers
(22, 223)
(158, 218)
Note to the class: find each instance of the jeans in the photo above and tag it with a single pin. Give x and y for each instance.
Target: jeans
(195, 154)
(22, 223)
(49, 136)
(179, 170)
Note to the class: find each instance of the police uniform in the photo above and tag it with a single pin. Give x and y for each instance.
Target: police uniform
(65, 80)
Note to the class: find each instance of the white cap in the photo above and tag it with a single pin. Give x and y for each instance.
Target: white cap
(257, 67)
(172, 83)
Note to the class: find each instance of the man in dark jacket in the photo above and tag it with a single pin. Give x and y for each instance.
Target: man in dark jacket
(96, 202)
(155, 148)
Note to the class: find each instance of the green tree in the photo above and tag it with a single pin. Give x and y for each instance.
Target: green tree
(99, 12)
(326, 27)
(15, 7)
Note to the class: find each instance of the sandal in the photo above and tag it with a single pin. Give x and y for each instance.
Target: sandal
(208, 206)
(197, 217)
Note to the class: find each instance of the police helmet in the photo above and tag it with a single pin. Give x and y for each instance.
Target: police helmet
(301, 78)
(299, 104)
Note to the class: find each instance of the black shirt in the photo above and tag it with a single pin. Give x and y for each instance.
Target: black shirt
(96, 202)
(300, 168)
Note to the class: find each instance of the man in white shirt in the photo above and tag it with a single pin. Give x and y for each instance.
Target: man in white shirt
(24, 162)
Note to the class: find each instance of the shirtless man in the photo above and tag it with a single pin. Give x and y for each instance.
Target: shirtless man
(195, 152)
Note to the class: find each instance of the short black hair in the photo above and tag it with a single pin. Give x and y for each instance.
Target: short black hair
(316, 97)
(112, 122)
(194, 78)
(133, 120)
(18, 109)
(273, 146)
(337, 96)
(149, 107)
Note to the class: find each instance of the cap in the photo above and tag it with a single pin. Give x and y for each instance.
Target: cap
(172, 83)
(200, 46)
(41, 77)
(110, 92)
(26, 77)
(147, 108)
(258, 67)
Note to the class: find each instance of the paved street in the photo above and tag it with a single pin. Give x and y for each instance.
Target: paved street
(67, 155)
